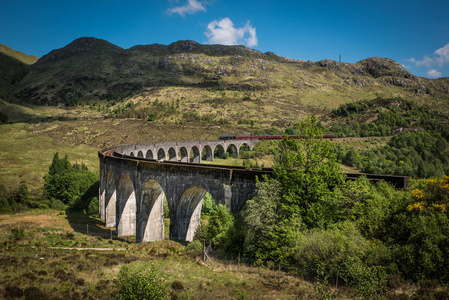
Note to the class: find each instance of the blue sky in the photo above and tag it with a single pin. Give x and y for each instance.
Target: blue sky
(415, 33)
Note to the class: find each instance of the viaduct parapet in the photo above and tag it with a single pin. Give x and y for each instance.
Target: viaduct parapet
(135, 179)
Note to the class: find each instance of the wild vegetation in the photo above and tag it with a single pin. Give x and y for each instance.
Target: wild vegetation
(307, 218)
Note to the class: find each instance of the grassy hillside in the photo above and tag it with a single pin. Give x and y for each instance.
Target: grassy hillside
(25, 155)
(12, 64)
(20, 56)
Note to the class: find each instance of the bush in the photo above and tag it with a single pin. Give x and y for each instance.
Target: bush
(194, 248)
(321, 252)
(58, 205)
(17, 234)
(140, 285)
(4, 205)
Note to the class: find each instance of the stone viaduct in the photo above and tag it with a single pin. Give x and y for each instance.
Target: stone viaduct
(133, 185)
(134, 179)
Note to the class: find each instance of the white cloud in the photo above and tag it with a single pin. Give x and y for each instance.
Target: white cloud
(433, 73)
(443, 55)
(223, 32)
(440, 57)
(426, 61)
(191, 7)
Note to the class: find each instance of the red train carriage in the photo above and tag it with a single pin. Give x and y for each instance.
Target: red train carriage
(267, 137)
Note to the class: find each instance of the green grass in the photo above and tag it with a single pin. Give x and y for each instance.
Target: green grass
(26, 155)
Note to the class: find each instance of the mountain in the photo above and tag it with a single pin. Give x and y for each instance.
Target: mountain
(12, 66)
(89, 69)
(20, 56)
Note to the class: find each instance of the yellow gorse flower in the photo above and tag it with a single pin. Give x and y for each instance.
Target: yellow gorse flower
(419, 206)
(442, 207)
(418, 194)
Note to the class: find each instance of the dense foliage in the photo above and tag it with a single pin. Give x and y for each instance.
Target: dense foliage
(73, 186)
(416, 154)
(310, 219)
(15, 200)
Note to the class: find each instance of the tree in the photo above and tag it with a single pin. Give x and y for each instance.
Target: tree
(209, 206)
(261, 219)
(73, 185)
(59, 165)
(305, 173)
(307, 170)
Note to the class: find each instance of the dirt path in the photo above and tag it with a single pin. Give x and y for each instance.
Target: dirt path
(84, 249)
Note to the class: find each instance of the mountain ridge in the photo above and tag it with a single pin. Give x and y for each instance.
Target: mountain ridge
(90, 69)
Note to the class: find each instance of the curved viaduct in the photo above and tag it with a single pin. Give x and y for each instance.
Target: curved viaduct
(134, 179)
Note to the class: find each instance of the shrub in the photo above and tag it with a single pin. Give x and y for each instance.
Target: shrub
(58, 205)
(320, 252)
(17, 234)
(141, 285)
(194, 248)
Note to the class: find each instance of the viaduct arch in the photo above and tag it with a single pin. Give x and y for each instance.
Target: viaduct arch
(135, 179)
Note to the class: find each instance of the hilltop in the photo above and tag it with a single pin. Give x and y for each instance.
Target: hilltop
(90, 69)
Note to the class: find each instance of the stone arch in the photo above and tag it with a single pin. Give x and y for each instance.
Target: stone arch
(195, 155)
(172, 154)
(131, 154)
(161, 154)
(110, 200)
(127, 207)
(188, 213)
(244, 147)
(149, 154)
(140, 154)
(152, 212)
(207, 153)
(219, 151)
(183, 154)
(232, 150)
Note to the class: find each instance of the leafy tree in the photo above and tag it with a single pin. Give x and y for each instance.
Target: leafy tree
(22, 195)
(219, 223)
(74, 185)
(261, 219)
(307, 170)
(305, 174)
(4, 205)
(209, 206)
